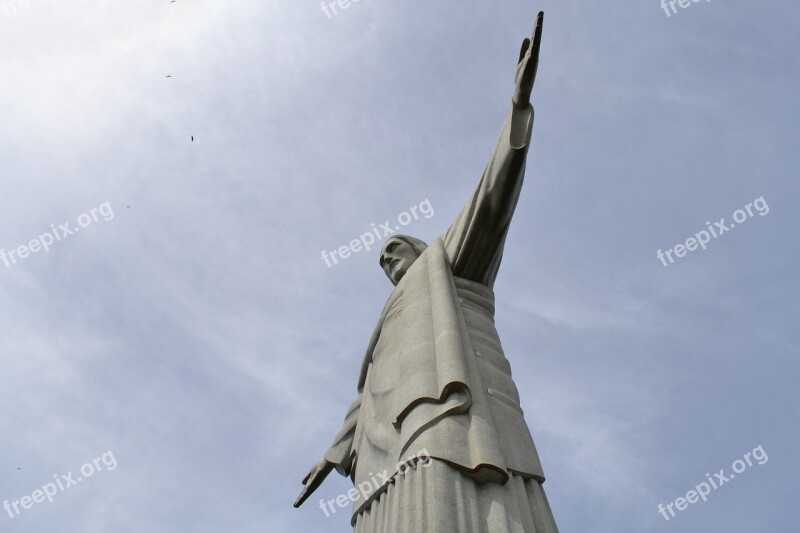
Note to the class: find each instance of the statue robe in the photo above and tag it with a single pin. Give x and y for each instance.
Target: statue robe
(435, 382)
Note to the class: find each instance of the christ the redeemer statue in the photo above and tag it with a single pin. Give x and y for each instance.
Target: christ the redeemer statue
(435, 381)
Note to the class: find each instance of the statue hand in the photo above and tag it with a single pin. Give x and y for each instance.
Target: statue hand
(313, 480)
(528, 64)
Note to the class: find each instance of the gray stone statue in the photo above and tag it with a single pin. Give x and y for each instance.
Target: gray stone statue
(436, 441)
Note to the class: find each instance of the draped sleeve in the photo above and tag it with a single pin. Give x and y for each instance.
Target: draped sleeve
(475, 241)
(341, 451)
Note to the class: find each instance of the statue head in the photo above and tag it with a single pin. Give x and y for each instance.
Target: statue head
(398, 254)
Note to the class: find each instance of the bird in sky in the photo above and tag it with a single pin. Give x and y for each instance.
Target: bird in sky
(192, 138)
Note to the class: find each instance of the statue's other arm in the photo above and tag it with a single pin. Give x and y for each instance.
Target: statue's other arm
(339, 456)
(474, 242)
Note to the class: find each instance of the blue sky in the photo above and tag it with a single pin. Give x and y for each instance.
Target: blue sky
(199, 336)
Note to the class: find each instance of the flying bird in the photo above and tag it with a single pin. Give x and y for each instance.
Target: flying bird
(192, 138)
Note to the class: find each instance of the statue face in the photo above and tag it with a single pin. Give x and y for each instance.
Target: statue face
(396, 258)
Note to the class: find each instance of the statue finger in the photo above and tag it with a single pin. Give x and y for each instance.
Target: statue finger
(529, 75)
(537, 34)
(310, 474)
(524, 50)
(303, 496)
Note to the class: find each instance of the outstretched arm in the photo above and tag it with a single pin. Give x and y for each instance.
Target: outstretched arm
(475, 241)
(338, 456)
